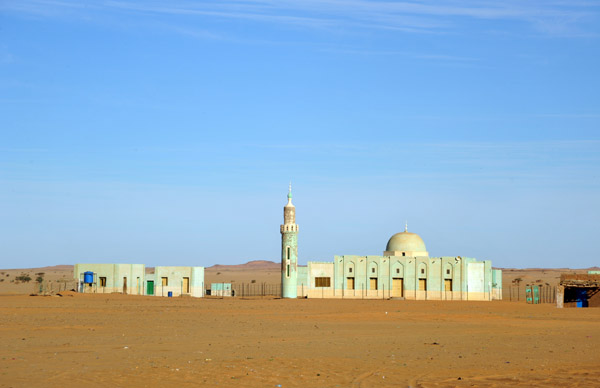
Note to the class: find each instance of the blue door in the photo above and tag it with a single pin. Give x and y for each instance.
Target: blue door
(582, 298)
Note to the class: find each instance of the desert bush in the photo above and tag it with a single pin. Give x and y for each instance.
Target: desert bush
(39, 279)
(253, 281)
(40, 273)
(23, 278)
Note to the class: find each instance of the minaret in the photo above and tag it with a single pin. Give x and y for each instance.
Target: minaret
(289, 250)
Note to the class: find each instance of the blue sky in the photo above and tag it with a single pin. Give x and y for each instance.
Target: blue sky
(166, 132)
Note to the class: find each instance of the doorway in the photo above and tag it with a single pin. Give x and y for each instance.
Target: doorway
(372, 283)
(350, 283)
(447, 284)
(398, 287)
(186, 285)
(124, 285)
(150, 287)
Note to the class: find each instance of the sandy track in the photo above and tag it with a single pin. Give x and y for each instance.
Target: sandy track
(120, 340)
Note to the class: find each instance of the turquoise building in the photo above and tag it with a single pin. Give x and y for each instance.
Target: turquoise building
(404, 271)
(134, 279)
(107, 278)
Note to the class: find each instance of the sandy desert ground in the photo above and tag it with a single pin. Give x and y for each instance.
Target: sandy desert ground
(125, 340)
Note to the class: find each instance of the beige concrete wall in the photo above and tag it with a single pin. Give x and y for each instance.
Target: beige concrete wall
(329, 293)
(496, 294)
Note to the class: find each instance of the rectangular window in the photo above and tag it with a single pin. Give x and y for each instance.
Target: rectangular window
(397, 270)
(423, 271)
(102, 282)
(322, 282)
(448, 271)
(350, 269)
(372, 270)
(403, 253)
(165, 281)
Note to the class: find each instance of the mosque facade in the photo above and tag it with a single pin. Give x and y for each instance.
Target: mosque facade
(404, 271)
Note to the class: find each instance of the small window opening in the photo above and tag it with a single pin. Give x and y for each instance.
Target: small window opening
(350, 269)
(422, 270)
(448, 272)
(372, 270)
(397, 270)
(165, 281)
(403, 253)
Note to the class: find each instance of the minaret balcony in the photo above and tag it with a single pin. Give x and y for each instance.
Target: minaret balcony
(288, 228)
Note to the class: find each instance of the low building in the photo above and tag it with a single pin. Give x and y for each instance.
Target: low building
(107, 278)
(578, 290)
(176, 281)
(132, 279)
(220, 289)
(407, 277)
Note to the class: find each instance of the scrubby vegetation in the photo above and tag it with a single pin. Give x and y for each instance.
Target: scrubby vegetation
(25, 278)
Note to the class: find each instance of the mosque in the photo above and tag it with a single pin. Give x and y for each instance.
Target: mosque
(404, 271)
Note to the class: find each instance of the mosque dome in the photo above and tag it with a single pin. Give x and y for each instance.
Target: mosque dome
(406, 242)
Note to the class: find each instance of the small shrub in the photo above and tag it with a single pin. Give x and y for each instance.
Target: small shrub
(23, 278)
(40, 273)
(1, 280)
(218, 273)
(253, 281)
(39, 279)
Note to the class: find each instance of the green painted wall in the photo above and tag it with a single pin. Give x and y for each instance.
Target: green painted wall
(129, 278)
(435, 270)
(289, 282)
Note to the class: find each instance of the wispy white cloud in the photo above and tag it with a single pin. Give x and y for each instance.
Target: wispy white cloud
(430, 56)
(552, 18)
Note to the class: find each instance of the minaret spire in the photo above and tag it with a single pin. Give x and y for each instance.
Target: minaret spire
(289, 249)
(406, 227)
